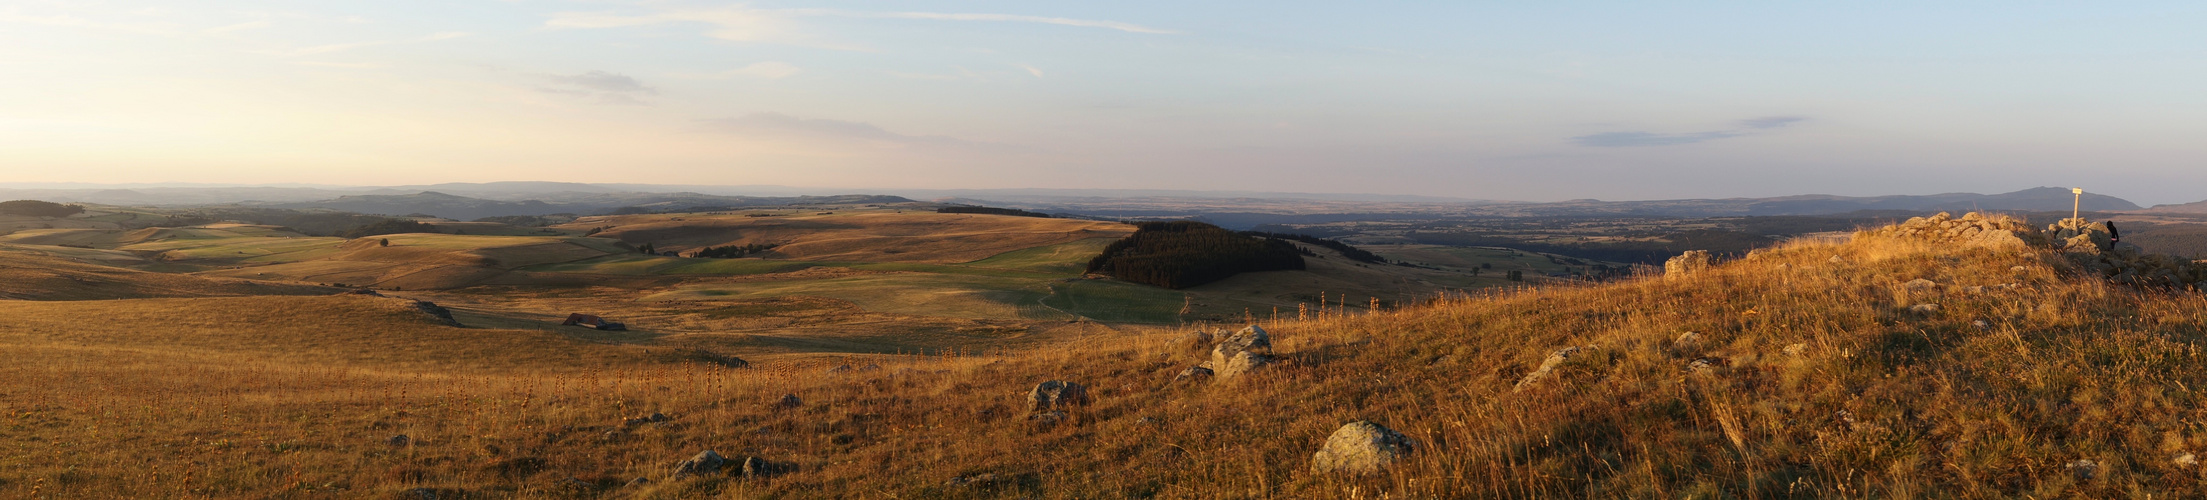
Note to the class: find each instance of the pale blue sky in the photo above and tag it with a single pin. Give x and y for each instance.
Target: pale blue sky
(1516, 100)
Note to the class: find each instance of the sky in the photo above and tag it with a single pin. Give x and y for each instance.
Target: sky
(1532, 101)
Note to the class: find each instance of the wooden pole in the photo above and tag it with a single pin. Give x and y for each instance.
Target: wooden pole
(2078, 206)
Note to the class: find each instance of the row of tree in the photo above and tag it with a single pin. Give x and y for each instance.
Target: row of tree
(1184, 254)
(389, 226)
(969, 209)
(1351, 252)
(731, 251)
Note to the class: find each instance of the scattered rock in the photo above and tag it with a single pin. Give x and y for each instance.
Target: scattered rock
(1686, 342)
(1360, 447)
(1996, 231)
(1686, 264)
(755, 467)
(2084, 469)
(1242, 363)
(1924, 308)
(1920, 284)
(705, 463)
(1836, 260)
(2185, 460)
(1193, 374)
(399, 440)
(978, 480)
(788, 401)
(1981, 324)
(1252, 339)
(653, 418)
(1547, 367)
(1056, 395)
(632, 483)
(1797, 349)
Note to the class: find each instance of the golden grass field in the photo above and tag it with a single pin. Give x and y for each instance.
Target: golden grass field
(296, 397)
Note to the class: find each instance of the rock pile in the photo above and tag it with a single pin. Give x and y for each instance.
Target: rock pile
(1992, 231)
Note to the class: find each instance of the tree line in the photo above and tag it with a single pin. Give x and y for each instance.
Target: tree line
(1184, 254)
(732, 251)
(37, 208)
(969, 209)
(1352, 253)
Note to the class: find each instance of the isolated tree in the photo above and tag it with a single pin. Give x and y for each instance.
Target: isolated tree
(385, 242)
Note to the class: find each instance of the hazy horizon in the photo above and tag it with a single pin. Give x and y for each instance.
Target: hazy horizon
(1524, 102)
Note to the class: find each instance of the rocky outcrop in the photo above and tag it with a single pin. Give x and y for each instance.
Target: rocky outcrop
(1242, 363)
(1360, 447)
(1973, 229)
(1687, 264)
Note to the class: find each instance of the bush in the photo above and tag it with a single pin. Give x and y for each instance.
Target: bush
(1185, 254)
(36, 208)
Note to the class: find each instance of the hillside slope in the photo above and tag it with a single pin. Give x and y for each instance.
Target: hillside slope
(1815, 369)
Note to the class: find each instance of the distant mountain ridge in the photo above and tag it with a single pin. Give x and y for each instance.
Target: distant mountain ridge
(452, 206)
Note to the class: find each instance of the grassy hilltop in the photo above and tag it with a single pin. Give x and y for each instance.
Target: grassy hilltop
(1811, 372)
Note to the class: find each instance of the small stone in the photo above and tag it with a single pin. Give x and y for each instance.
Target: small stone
(1360, 447)
(1924, 308)
(1547, 367)
(1194, 374)
(2084, 468)
(1920, 284)
(1797, 349)
(1981, 324)
(705, 463)
(1686, 342)
(399, 440)
(1836, 260)
(2185, 460)
(755, 467)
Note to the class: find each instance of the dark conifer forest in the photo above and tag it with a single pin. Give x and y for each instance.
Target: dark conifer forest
(1185, 254)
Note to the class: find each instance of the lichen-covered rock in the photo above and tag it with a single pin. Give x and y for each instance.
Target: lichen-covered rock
(1194, 374)
(1252, 339)
(1547, 367)
(1686, 264)
(706, 463)
(1360, 447)
(1056, 395)
(1242, 363)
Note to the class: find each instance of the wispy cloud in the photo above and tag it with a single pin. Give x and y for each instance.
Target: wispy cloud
(1646, 139)
(772, 70)
(786, 126)
(1008, 18)
(1771, 122)
(340, 47)
(236, 27)
(1037, 72)
(742, 24)
(605, 87)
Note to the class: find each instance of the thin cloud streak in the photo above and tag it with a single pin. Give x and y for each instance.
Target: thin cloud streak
(774, 25)
(1646, 139)
(1013, 18)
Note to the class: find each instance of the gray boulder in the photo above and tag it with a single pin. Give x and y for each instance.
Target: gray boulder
(1252, 339)
(1547, 367)
(1360, 447)
(1243, 362)
(1056, 395)
(706, 463)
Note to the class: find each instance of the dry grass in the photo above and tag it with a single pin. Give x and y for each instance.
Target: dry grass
(867, 236)
(1879, 402)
